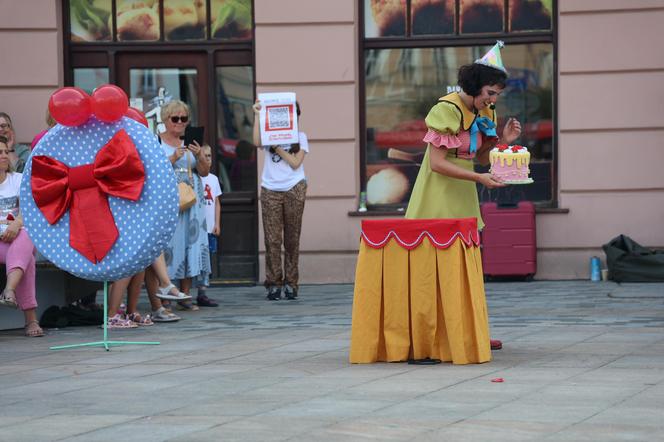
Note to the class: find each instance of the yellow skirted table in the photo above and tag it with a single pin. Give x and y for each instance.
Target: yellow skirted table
(419, 292)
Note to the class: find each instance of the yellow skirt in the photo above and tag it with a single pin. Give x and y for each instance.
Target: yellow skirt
(422, 303)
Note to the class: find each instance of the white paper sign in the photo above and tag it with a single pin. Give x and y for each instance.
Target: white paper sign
(278, 119)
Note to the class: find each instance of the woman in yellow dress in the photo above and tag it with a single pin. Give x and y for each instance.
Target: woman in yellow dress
(461, 128)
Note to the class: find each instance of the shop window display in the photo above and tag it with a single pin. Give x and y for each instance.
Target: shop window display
(185, 19)
(481, 16)
(401, 85)
(90, 20)
(141, 20)
(137, 20)
(432, 17)
(412, 51)
(231, 19)
(530, 15)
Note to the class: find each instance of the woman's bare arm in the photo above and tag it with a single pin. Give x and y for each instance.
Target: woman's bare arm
(293, 160)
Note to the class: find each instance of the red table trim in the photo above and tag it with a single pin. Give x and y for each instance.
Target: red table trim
(410, 233)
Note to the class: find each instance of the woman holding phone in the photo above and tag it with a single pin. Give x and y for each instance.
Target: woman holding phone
(187, 254)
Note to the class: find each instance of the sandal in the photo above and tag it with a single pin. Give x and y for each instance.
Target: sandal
(118, 322)
(187, 306)
(33, 330)
(162, 315)
(139, 320)
(8, 301)
(171, 292)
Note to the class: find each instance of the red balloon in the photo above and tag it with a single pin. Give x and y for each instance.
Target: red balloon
(136, 115)
(109, 103)
(70, 106)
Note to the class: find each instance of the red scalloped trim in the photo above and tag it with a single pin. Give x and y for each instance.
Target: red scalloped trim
(409, 233)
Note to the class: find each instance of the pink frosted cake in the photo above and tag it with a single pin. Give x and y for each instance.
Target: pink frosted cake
(510, 164)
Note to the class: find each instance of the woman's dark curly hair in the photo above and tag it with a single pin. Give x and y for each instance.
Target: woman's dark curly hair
(472, 77)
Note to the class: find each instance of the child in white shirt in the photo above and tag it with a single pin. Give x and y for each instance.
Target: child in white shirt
(212, 206)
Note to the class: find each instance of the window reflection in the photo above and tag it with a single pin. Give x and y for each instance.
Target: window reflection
(403, 84)
(236, 155)
(90, 78)
(150, 89)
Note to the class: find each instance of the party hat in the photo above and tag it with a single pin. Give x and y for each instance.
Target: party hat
(492, 58)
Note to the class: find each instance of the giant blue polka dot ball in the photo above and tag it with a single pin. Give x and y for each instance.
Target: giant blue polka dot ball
(144, 226)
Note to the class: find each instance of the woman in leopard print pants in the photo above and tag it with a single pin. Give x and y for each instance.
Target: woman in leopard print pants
(283, 192)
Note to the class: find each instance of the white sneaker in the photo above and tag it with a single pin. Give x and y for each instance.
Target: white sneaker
(167, 293)
(162, 315)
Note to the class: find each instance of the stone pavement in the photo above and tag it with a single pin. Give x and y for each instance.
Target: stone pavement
(582, 361)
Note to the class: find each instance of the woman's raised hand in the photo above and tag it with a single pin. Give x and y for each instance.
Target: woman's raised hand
(512, 131)
(257, 107)
(195, 148)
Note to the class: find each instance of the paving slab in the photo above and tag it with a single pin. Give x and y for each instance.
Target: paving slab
(581, 361)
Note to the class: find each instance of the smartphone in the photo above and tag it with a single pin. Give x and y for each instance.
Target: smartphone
(193, 133)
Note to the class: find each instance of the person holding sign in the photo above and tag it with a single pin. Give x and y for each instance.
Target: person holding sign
(283, 192)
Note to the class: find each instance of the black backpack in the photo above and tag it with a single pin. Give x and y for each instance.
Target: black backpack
(628, 261)
(70, 316)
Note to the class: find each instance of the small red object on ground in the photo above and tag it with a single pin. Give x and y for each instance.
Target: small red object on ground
(497, 380)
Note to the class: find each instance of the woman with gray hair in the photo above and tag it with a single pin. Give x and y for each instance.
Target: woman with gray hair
(187, 254)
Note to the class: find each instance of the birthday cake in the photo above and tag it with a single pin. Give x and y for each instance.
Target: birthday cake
(510, 164)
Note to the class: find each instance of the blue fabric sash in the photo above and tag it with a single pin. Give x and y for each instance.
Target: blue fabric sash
(484, 125)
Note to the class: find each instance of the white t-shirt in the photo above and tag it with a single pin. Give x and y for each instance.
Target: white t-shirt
(277, 174)
(211, 190)
(9, 190)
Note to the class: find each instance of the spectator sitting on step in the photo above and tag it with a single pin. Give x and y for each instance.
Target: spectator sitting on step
(16, 248)
(18, 153)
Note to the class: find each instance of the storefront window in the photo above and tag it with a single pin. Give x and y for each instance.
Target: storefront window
(185, 19)
(406, 74)
(150, 89)
(403, 84)
(231, 19)
(90, 78)
(530, 15)
(90, 20)
(432, 17)
(141, 20)
(384, 18)
(236, 153)
(481, 16)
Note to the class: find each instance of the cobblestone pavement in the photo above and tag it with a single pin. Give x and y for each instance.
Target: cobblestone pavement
(581, 361)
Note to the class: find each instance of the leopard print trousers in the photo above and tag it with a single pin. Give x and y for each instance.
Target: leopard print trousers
(282, 222)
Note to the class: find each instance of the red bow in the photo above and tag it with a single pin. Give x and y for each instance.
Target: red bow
(117, 170)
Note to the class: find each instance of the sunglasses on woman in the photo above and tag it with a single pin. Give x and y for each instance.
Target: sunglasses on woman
(180, 119)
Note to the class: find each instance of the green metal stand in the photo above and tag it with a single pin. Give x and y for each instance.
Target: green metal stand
(105, 343)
